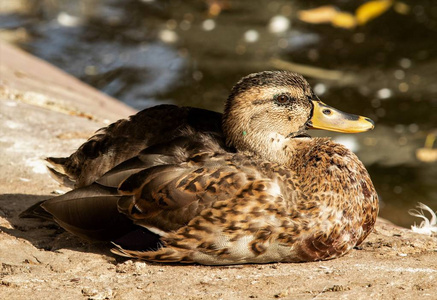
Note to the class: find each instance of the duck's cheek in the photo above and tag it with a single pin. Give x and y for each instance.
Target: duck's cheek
(266, 127)
(296, 123)
(260, 122)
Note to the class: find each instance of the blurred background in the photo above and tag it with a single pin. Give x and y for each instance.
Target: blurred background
(373, 58)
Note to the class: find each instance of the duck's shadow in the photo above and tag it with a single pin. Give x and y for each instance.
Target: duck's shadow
(43, 234)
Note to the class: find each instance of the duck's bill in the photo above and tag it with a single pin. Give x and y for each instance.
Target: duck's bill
(329, 118)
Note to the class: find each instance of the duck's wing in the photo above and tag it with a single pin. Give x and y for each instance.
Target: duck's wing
(248, 227)
(124, 139)
(160, 189)
(166, 197)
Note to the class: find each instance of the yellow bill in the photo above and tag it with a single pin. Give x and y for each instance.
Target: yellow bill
(329, 118)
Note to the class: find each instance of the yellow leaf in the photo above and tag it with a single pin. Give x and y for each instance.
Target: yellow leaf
(371, 10)
(344, 20)
(322, 14)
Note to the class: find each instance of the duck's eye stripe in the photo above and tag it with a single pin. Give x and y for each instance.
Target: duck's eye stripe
(257, 102)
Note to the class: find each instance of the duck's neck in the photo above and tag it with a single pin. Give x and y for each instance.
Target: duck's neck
(251, 134)
(273, 147)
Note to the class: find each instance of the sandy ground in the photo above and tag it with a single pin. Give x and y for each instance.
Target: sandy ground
(41, 261)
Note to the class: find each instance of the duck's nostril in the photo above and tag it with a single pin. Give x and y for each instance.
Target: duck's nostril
(327, 112)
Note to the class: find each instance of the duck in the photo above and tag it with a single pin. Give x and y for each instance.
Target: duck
(188, 185)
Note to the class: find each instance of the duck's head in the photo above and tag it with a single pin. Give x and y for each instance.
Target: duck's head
(267, 110)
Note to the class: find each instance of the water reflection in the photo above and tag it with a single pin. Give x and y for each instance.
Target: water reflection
(190, 53)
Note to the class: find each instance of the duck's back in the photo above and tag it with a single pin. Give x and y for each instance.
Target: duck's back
(125, 138)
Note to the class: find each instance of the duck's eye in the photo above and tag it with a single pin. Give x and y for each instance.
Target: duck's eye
(283, 99)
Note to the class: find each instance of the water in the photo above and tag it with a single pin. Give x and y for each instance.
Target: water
(191, 53)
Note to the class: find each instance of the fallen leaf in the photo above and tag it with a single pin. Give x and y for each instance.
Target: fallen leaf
(372, 9)
(322, 14)
(344, 20)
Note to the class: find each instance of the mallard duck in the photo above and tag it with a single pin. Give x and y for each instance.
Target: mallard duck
(181, 184)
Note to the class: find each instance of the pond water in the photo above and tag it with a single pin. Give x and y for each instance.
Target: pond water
(146, 52)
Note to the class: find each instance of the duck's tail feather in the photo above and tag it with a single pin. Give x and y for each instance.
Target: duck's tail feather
(36, 211)
(58, 163)
(57, 171)
(61, 178)
(89, 212)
